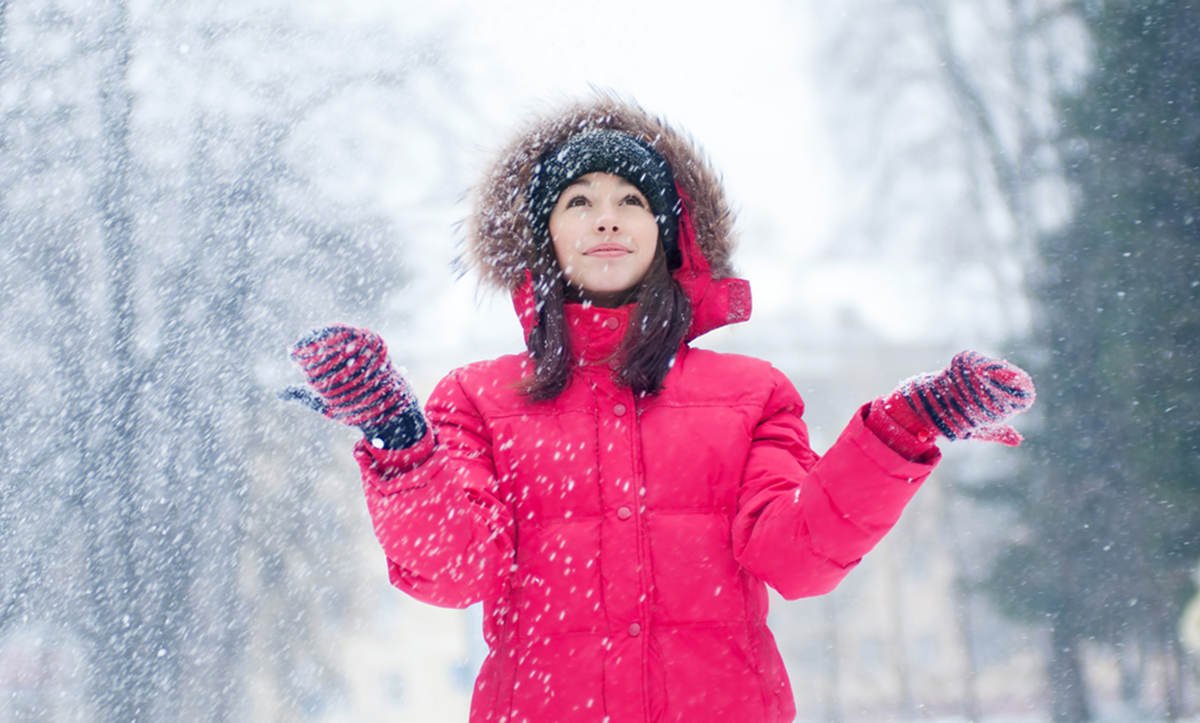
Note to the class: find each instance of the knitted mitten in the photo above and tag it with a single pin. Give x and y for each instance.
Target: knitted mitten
(970, 399)
(355, 384)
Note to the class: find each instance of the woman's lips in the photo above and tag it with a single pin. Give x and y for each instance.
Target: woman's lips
(607, 251)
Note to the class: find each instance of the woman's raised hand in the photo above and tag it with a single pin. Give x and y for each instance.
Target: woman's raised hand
(355, 383)
(970, 399)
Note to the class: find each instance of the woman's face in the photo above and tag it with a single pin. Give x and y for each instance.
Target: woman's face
(604, 236)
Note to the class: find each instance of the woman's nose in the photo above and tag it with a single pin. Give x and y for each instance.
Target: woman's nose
(606, 222)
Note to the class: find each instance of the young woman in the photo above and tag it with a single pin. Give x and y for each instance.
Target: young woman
(617, 499)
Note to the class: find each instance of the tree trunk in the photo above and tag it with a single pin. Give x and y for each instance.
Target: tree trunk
(1172, 669)
(1131, 664)
(963, 603)
(3, 31)
(112, 496)
(1068, 688)
(897, 614)
(833, 683)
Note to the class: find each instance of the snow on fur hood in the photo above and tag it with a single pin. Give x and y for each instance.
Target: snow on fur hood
(500, 236)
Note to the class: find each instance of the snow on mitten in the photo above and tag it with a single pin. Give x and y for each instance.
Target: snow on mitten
(970, 399)
(355, 384)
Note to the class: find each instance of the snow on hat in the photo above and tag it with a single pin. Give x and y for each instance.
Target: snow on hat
(618, 153)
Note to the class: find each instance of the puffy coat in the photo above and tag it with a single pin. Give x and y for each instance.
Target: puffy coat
(622, 544)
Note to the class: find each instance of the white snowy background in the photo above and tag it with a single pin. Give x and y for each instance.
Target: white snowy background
(389, 113)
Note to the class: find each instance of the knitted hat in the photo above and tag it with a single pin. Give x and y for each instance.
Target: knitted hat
(609, 151)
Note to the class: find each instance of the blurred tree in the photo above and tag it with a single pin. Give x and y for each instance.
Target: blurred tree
(947, 112)
(165, 239)
(1110, 505)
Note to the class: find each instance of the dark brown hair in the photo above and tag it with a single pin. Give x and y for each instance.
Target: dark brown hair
(658, 326)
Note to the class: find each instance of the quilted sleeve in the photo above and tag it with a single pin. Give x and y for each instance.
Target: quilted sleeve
(434, 506)
(803, 521)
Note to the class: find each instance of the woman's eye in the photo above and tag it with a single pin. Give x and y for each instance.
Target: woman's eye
(633, 200)
(576, 201)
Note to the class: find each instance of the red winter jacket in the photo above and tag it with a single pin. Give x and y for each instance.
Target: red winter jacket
(621, 545)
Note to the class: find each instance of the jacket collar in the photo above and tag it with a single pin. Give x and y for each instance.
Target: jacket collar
(595, 333)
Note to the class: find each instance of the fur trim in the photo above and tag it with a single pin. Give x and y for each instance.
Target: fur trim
(500, 240)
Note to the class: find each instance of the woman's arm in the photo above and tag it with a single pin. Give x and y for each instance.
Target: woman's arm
(803, 521)
(431, 491)
(447, 535)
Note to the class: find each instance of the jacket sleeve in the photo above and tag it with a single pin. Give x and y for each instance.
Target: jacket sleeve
(803, 521)
(435, 507)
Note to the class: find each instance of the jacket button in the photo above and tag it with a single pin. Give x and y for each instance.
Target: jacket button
(634, 630)
(611, 323)
(619, 409)
(624, 513)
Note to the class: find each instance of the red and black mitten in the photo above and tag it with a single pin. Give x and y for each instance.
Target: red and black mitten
(355, 384)
(970, 399)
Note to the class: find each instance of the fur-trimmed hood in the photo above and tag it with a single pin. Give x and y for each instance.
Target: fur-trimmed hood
(500, 235)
